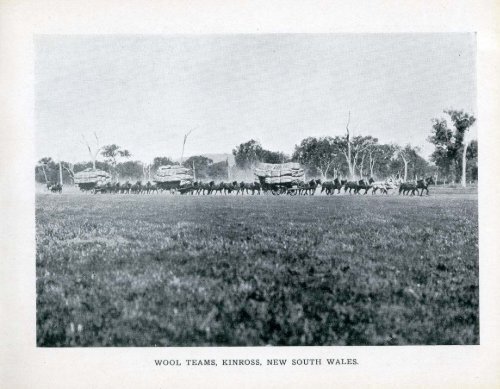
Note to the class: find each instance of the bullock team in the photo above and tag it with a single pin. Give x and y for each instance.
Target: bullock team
(255, 188)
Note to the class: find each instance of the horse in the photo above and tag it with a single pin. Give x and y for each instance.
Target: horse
(424, 185)
(195, 188)
(204, 187)
(363, 185)
(87, 187)
(228, 187)
(136, 188)
(117, 188)
(216, 188)
(153, 188)
(256, 188)
(329, 187)
(352, 186)
(125, 188)
(244, 187)
(249, 186)
(56, 188)
(309, 188)
(407, 188)
(339, 184)
(147, 188)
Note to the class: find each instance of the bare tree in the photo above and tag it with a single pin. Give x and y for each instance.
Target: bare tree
(70, 169)
(93, 153)
(407, 154)
(146, 171)
(372, 158)
(378, 154)
(42, 165)
(355, 148)
(184, 144)
(348, 156)
(60, 173)
(361, 164)
(464, 161)
(404, 157)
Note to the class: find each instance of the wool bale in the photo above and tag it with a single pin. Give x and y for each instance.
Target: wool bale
(89, 176)
(279, 173)
(173, 173)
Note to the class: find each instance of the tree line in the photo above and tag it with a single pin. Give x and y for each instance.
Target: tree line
(454, 157)
(360, 156)
(328, 157)
(49, 170)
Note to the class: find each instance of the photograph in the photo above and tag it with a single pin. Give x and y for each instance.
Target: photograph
(274, 189)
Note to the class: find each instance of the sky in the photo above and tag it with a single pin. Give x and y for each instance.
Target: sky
(145, 92)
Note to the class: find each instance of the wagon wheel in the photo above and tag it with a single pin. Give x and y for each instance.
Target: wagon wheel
(276, 192)
(292, 192)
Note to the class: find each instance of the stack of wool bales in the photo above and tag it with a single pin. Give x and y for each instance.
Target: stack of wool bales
(283, 173)
(173, 173)
(91, 176)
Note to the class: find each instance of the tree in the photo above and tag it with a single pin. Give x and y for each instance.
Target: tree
(112, 153)
(247, 154)
(161, 161)
(348, 149)
(70, 169)
(95, 152)
(379, 155)
(409, 162)
(268, 156)
(130, 170)
(405, 153)
(462, 122)
(354, 150)
(199, 164)
(319, 153)
(218, 170)
(450, 154)
(472, 156)
(41, 167)
(46, 170)
(184, 143)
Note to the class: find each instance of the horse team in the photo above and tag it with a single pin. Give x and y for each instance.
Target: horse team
(240, 188)
(361, 186)
(199, 188)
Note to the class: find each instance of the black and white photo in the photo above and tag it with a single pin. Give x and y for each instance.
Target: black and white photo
(253, 190)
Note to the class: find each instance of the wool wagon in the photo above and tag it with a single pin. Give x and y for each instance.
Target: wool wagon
(91, 179)
(173, 177)
(282, 178)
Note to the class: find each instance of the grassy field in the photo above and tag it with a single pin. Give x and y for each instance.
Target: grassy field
(161, 270)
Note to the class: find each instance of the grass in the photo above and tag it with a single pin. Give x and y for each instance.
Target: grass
(160, 270)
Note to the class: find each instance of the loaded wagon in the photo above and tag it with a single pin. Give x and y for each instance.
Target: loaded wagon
(90, 180)
(173, 178)
(282, 178)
